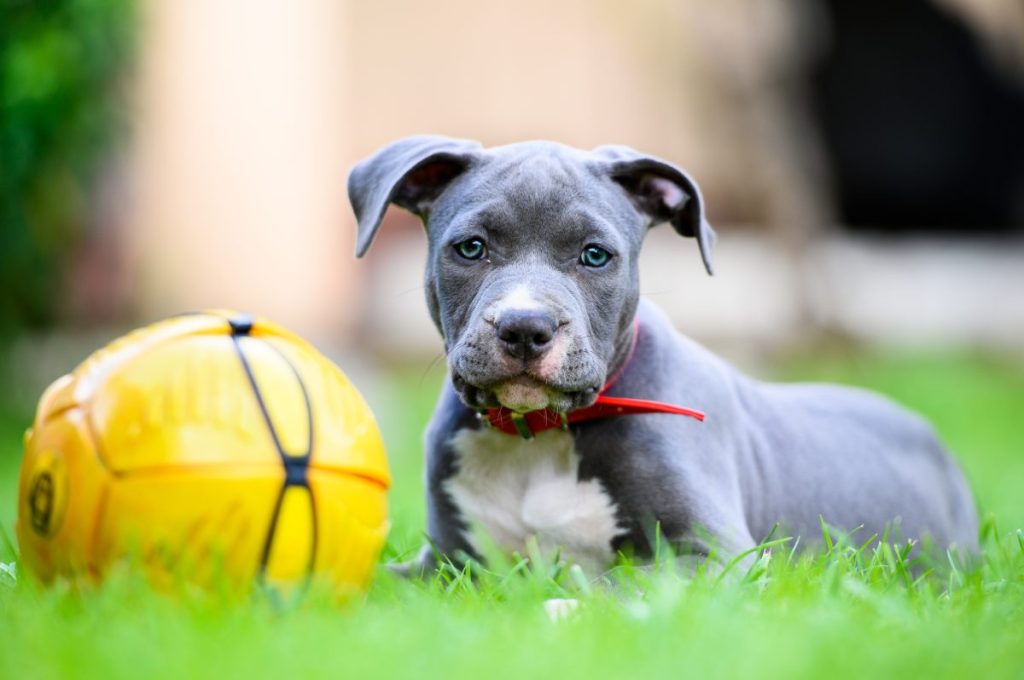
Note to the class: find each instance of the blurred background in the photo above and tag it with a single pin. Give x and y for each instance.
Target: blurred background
(863, 163)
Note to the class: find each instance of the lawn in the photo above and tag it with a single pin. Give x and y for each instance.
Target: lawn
(848, 613)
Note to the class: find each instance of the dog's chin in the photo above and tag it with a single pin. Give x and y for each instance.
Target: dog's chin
(523, 394)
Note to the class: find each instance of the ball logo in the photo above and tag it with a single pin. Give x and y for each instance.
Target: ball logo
(40, 503)
(46, 495)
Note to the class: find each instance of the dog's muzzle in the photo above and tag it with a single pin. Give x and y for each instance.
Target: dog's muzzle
(528, 424)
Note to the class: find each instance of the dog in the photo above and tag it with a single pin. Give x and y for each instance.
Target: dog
(577, 417)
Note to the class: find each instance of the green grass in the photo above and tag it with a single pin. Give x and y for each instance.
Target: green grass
(848, 613)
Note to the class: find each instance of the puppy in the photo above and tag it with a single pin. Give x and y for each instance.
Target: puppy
(578, 417)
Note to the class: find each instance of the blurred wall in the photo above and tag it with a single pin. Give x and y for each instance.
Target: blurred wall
(249, 116)
(242, 136)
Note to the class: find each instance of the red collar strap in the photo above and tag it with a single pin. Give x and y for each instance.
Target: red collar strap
(529, 424)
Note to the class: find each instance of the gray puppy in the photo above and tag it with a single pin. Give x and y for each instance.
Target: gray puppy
(532, 281)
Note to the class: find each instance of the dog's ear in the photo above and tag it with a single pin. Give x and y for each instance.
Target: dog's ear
(661, 191)
(411, 173)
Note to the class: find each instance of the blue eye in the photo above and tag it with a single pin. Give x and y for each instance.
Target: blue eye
(594, 256)
(471, 249)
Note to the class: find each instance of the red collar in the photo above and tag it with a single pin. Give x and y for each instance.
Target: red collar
(529, 424)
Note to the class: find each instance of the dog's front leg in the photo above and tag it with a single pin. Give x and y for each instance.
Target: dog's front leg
(447, 531)
(668, 491)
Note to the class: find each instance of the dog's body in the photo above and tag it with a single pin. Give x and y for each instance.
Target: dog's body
(532, 281)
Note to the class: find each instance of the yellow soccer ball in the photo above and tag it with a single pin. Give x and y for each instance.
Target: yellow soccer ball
(209, 448)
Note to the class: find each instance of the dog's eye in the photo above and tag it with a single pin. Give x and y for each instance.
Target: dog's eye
(594, 256)
(471, 249)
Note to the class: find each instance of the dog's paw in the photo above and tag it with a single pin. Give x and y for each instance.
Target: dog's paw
(424, 564)
(405, 570)
(561, 608)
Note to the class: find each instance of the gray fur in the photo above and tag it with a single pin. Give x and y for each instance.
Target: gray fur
(767, 454)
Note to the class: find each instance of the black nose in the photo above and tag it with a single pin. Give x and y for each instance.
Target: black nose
(526, 333)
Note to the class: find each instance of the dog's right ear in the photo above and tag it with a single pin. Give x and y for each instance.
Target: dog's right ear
(411, 173)
(661, 191)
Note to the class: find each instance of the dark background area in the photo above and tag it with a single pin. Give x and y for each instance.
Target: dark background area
(923, 130)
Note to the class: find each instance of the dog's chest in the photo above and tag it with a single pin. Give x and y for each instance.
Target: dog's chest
(514, 489)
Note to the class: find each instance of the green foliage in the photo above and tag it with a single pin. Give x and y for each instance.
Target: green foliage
(60, 68)
(844, 613)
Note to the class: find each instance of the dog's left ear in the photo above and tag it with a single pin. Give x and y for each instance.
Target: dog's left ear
(661, 191)
(410, 173)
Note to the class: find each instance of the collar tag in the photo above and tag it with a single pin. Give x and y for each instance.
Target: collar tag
(519, 422)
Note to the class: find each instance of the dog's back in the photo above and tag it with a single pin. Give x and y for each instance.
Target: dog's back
(860, 461)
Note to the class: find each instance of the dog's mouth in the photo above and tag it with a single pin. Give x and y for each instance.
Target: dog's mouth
(523, 393)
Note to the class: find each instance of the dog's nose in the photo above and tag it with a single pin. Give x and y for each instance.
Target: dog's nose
(526, 334)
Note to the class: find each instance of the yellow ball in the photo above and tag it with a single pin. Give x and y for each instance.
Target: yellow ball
(209, 448)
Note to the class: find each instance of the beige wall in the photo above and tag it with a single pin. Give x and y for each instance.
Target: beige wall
(250, 114)
(240, 159)
(582, 72)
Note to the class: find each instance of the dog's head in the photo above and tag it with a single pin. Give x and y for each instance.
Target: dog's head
(532, 270)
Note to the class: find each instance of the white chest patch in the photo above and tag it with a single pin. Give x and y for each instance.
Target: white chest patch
(514, 489)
